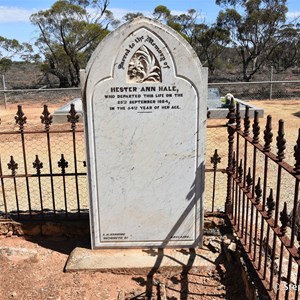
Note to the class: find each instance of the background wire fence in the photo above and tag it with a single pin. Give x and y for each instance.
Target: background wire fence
(260, 90)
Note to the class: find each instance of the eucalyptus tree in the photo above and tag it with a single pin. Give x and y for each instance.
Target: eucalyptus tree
(209, 41)
(255, 28)
(287, 54)
(9, 49)
(68, 33)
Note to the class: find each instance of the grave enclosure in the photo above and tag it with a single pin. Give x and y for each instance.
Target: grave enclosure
(144, 102)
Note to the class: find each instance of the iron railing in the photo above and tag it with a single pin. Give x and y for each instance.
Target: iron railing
(43, 174)
(258, 200)
(42, 187)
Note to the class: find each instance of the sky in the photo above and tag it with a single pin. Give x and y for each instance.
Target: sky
(15, 24)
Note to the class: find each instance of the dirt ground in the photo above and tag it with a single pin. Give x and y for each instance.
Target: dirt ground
(33, 268)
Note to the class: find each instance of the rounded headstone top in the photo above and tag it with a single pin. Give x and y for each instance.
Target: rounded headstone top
(171, 39)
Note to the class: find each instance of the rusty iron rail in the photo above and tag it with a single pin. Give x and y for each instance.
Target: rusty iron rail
(267, 233)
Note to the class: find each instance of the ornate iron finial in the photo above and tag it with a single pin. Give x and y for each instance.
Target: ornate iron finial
(249, 180)
(20, 118)
(231, 114)
(73, 117)
(280, 141)
(246, 122)
(215, 159)
(270, 204)
(284, 219)
(268, 135)
(233, 163)
(258, 192)
(63, 164)
(46, 117)
(38, 165)
(238, 116)
(208, 113)
(297, 154)
(240, 171)
(13, 166)
(256, 128)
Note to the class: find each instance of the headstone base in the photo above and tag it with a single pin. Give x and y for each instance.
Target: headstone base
(139, 261)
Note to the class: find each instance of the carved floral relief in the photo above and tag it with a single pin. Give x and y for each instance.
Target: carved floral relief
(143, 67)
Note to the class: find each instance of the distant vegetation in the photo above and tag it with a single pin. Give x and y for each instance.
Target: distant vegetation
(246, 37)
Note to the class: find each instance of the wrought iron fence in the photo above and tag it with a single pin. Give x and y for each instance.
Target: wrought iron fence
(261, 189)
(42, 171)
(43, 174)
(215, 170)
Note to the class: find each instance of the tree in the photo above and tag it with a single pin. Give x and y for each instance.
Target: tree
(287, 54)
(208, 41)
(161, 12)
(255, 32)
(130, 16)
(69, 32)
(9, 48)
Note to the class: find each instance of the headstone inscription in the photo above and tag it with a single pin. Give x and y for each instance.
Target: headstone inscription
(144, 102)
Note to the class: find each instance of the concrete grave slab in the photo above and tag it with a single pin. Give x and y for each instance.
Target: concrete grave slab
(61, 114)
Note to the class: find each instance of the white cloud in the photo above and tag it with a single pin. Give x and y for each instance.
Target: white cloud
(119, 13)
(178, 12)
(15, 14)
(293, 14)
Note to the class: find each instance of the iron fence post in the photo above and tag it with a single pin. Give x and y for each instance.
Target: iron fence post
(229, 169)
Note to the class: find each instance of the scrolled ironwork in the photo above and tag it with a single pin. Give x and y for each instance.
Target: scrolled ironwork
(284, 219)
(280, 141)
(246, 122)
(73, 117)
(63, 164)
(12, 165)
(240, 171)
(208, 113)
(258, 191)
(268, 134)
(215, 159)
(249, 180)
(270, 204)
(231, 113)
(46, 117)
(20, 118)
(238, 116)
(256, 128)
(38, 165)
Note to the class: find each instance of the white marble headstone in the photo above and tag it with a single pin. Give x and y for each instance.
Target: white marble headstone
(144, 101)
